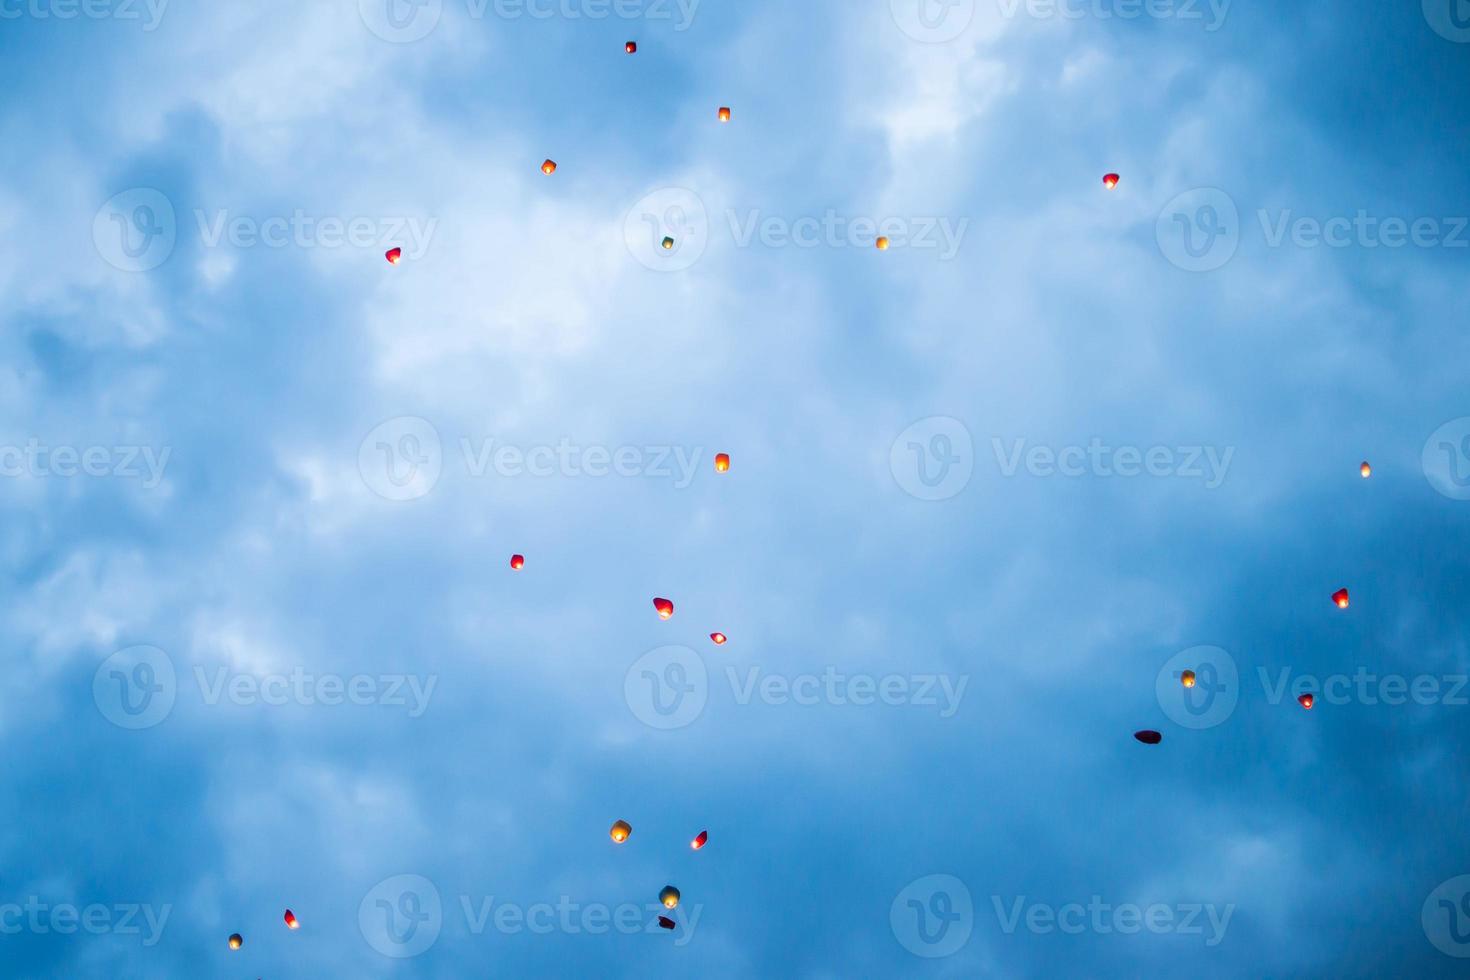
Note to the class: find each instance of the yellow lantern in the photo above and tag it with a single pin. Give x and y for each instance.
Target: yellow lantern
(620, 831)
(236, 942)
(669, 896)
(1187, 678)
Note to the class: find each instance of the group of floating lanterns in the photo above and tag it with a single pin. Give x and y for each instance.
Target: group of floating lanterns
(236, 940)
(669, 896)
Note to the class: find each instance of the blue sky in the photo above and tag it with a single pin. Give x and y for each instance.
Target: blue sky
(991, 489)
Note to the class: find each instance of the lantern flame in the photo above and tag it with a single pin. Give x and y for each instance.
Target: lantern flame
(1110, 181)
(700, 841)
(1306, 701)
(518, 562)
(620, 831)
(549, 167)
(631, 47)
(718, 638)
(722, 462)
(291, 922)
(665, 608)
(393, 255)
(1187, 678)
(1341, 598)
(724, 113)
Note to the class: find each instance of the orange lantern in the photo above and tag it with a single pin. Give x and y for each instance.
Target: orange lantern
(1110, 181)
(518, 562)
(665, 922)
(724, 113)
(236, 942)
(1365, 469)
(882, 243)
(718, 638)
(631, 47)
(1341, 598)
(669, 897)
(549, 167)
(291, 922)
(700, 841)
(1306, 701)
(665, 608)
(620, 831)
(393, 255)
(722, 462)
(1187, 678)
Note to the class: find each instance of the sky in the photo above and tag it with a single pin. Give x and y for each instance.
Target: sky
(991, 491)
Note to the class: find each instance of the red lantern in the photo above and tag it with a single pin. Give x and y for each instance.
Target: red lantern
(724, 113)
(549, 167)
(1306, 701)
(393, 255)
(518, 562)
(1341, 598)
(291, 922)
(1110, 181)
(665, 922)
(631, 47)
(1148, 737)
(664, 607)
(700, 841)
(722, 462)
(718, 638)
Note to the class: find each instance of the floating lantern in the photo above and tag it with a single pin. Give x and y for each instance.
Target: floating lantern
(722, 462)
(667, 243)
(1365, 469)
(1187, 678)
(724, 113)
(549, 167)
(669, 896)
(631, 47)
(236, 942)
(666, 922)
(718, 638)
(882, 243)
(1110, 181)
(1306, 701)
(620, 831)
(291, 922)
(1341, 598)
(393, 255)
(665, 608)
(518, 562)
(1148, 737)
(700, 841)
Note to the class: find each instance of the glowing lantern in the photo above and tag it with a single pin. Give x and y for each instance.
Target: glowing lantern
(667, 243)
(518, 562)
(236, 942)
(1187, 678)
(722, 462)
(669, 896)
(620, 831)
(666, 922)
(631, 47)
(724, 113)
(882, 243)
(665, 608)
(1306, 701)
(549, 167)
(1365, 469)
(1148, 737)
(700, 841)
(718, 638)
(1110, 181)
(291, 922)
(393, 255)
(1341, 598)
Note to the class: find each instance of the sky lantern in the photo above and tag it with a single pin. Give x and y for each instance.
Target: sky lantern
(700, 841)
(667, 243)
(1110, 180)
(549, 167)
(631, 47)
(718, 639)
(882, 243)
(1341, 598)
(518, 562)
(1187, 678)
(669, 896)
(722, 462)
(724, 113)
(665, 922)
(291, 922)
(665, 608)
(235, 941)
(1365, 469)
(393, 255)
(1148, 737)
(620, 831)
(1306, 701)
